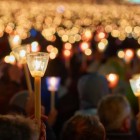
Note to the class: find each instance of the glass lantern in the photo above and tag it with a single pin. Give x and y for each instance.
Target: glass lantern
(37, 63)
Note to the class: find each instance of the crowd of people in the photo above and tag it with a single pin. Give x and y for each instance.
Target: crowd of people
(86, 107)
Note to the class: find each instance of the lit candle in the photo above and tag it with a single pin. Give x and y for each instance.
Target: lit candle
(112, 79)
(37, 63)
(67, 55)
(53, 84)
(20, 54)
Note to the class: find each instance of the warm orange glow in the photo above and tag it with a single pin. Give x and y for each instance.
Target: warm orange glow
(65, 38)
(52, 55)
(67, 46)
(115, 33)
(35, 47)
(87, 35)
(88, 52)
(67, 53)
(10, 59)
(101, 46)
(112, 79)
(128, 29)
(129, 54)
(101, 35)
(84, 46)
(49, 48)
(138, 53)
(121, 54)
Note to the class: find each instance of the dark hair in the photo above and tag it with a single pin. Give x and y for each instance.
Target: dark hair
(112, 110)
(81, 127)
(15, 127)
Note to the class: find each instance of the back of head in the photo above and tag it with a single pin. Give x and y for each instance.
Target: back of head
(18, 102)
(113, 110)
(92, 88)
(17, 128)
(81, 127)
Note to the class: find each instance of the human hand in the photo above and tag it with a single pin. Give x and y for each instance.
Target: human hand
(52, 117)
(42, 130)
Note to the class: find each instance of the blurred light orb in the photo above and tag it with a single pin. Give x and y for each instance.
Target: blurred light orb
(122, 37)
(101, 46)
(52, 55)
(77, 37)
(71, 39)
(6, 59)
(129, 54)
(108, 28)
(55, 50)
(22, 53)
(121, 54)
(137, 29)
(49, 48)
(128, 29)
(112, 79)
(10, 59)
(101, 35)
(139, 40)
(68, 46)
(16, 39)
(35, 46)
(105, 41)
(138, 53)
(84, 46)
(67, 53)
(88, 52)
(65, 38)
(115, 33)
(87, 35)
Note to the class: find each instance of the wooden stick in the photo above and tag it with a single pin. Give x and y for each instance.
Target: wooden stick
(37, 85)
(139, 102)
(52, 100)
(28, 80)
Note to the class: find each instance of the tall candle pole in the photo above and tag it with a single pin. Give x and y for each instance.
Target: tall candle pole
(52, 100)
(20, 54)
(37, 85)
(28, 80)
(37, 63)
(52, 84)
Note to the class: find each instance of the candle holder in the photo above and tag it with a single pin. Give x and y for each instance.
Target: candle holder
(37, 63)
(20, 54)
(53, 85)
(135, 86)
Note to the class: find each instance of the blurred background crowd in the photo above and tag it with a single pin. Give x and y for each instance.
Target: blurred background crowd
(94, 55)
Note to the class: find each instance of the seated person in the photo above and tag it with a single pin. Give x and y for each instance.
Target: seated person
(83, 127)
(17, 128)
(114, 112)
